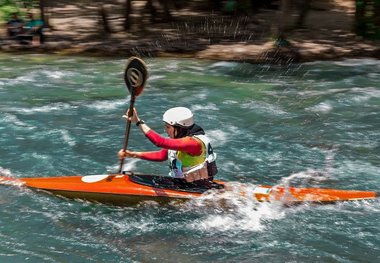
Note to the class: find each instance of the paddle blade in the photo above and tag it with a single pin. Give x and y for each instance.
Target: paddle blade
(135, 75)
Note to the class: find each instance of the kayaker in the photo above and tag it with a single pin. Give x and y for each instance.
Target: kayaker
(191, 157)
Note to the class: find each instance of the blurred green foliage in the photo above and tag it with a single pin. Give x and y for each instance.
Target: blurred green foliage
(368, 18)
(7, 7)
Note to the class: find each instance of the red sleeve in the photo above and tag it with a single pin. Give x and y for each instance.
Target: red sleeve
(187, 144)
(157, 156)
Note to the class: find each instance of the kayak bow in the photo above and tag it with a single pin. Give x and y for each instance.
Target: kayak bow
(129, 189)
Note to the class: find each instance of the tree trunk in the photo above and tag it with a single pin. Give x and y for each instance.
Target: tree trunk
(152, 10)
(128, 10)
(104, 20)
(42, 13)
(283, 18)
(303, 8)
(376, 18)
(360, 23)
(215, 5)
(167, 15)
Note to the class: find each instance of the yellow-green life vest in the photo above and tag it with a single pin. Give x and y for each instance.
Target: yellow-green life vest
(180, 162)
(188, 160)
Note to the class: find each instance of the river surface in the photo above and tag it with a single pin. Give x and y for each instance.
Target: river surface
(312, 125)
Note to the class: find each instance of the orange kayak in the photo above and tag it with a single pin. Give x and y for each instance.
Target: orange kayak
(129, 189)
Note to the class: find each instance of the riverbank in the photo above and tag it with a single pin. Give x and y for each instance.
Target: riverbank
(326, 36)
(300, 48)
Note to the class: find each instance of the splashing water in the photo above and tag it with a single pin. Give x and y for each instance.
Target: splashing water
(5, 172)
(233, 212)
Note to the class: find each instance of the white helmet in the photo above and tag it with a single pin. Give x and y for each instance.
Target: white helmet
(178, 116)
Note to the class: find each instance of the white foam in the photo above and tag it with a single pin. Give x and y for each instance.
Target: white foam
(156, 77)
(365, 94)
(230, 102)
(40, 156)
(56, 74)
(26, 78)
(10, 118)
(67, 138)
(173, 65)
(224, 64)
(263, 107)
(130, 165)
(106, 105)
(64, 134)
(356, 62)
(59, 106)
(324, 91)
(207, 107)
(323, 107)
(218, 137)
(303, 176)
(5, 172)
(355, 167)
(366, 139)
(200, 96)
(233, 212)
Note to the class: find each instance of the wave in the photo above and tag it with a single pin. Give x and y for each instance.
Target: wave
(14, 120)
(156, 77)
(106, 105)
(365, 94)
(357, 62)
(224, 64)
(263, 107)
(351, 97)
(207, 107)
(218, 137)
(59, 106)
(35, 76)
(230, 102)
(56, 74)
(52, 135)
(323, 107)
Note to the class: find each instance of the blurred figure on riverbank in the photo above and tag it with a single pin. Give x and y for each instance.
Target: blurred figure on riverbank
(14, 25)
(34, 28)
(32, 32)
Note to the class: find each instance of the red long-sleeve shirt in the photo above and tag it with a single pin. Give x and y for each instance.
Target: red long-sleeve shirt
(187, 144)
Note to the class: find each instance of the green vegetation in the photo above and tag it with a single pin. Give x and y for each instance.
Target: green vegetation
(368, 18)
(7, 7)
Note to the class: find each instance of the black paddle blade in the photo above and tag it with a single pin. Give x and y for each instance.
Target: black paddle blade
(135, 75)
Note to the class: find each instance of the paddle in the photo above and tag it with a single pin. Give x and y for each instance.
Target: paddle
(135, 76)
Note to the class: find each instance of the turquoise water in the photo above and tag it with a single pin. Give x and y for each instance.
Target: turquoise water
(314, 125)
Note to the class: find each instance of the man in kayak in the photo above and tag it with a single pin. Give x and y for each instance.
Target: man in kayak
(191, 157)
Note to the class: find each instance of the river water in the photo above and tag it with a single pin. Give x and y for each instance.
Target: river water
(313, 125)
